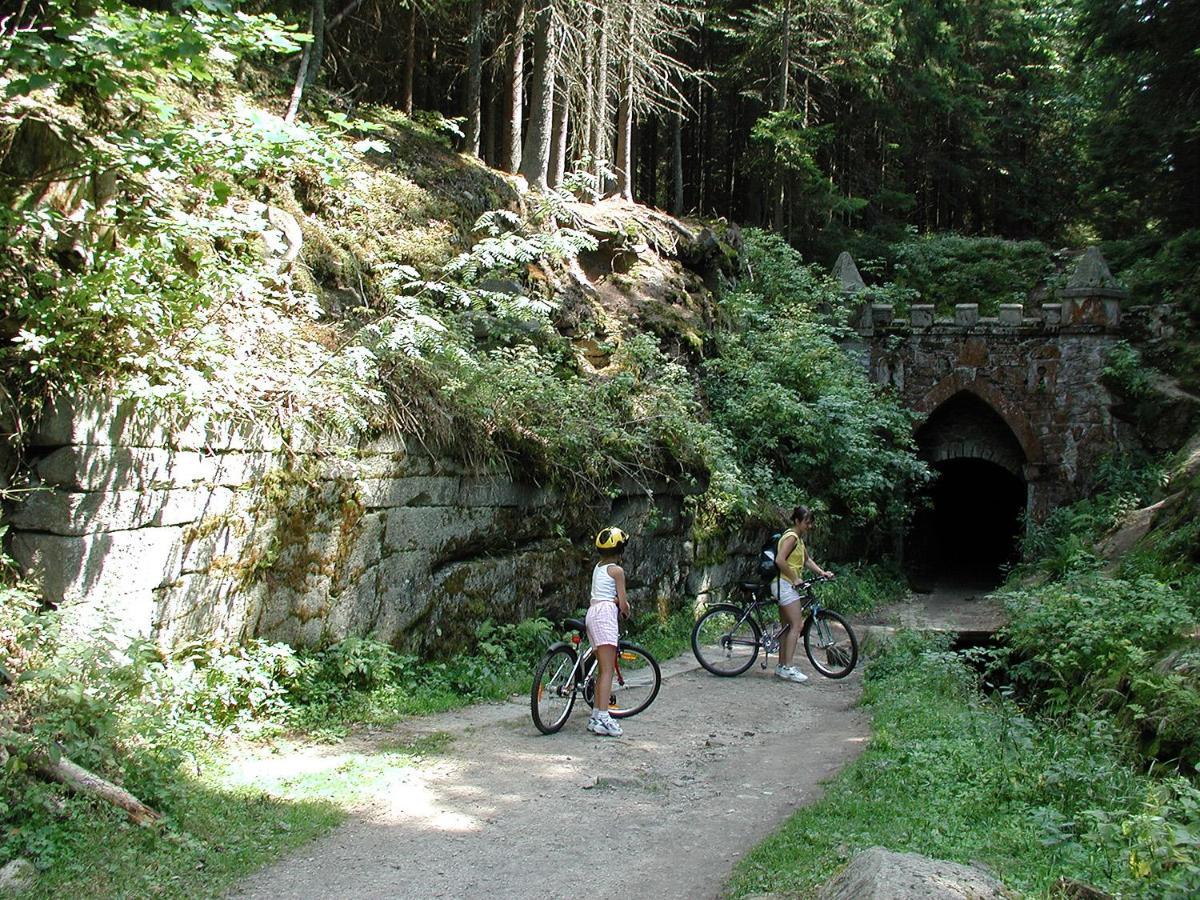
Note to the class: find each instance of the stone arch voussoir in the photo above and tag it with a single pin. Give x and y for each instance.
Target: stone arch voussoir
(1013, 416)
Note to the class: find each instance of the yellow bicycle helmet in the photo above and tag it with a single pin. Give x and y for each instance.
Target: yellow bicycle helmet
(611, 539)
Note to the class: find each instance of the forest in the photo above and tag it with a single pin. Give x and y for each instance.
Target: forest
(826, 121)
(368, 216)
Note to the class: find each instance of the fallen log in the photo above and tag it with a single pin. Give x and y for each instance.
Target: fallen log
(80, 780)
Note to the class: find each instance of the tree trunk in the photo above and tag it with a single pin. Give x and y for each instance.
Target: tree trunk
(583, 128)
(474, 79)
(645, 156)
(624, 160)
(349, 10)
(600, 122)
(514, 93)
(492, 126)
(410, 60)
(781, 103)
(677, 163)
(318, 43)
(558, 145)
(535, 154)
(82, 781)
(301, 74)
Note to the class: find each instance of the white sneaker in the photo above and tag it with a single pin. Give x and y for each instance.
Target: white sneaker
(604, 724)
(791, 673)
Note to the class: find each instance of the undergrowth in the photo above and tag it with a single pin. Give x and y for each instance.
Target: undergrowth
(956, 774)
(161, 726)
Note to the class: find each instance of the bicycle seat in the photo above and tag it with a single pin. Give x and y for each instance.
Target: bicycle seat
(751, 586)
(575, 624)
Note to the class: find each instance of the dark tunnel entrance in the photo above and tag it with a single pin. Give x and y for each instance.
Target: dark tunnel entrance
(967, 530)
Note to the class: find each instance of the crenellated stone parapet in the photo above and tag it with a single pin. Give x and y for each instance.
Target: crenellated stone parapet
(1091, 301)
(1039, 368)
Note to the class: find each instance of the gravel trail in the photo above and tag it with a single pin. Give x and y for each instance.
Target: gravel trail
(698, 779)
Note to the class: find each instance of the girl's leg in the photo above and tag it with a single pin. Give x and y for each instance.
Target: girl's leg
(790, 615)
(606, 656)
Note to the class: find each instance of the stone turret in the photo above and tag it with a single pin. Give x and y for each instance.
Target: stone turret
(846, 272)
(1092, 296)
(852, 284)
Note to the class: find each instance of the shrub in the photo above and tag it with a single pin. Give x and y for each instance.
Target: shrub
(802, 418)
(948, 268)
(1096, 641)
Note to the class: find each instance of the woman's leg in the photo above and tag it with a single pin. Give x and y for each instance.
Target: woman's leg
(606, 656)
(790, 615)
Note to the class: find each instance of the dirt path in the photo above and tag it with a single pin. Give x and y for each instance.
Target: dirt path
(698, 779)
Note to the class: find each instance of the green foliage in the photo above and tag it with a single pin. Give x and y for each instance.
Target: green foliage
(113, 276)
(134, 717)
(1089, 635)
(804, 422)
(862, 587)
(1124, 371)
(1166, 272)
(1065, 541)
(947, 269)
(1156, 840)
(954, 774)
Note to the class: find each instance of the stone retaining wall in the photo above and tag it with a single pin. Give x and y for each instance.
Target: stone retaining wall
(182, 531)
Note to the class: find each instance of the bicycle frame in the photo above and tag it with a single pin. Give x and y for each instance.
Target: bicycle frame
(585, 655)
(772, 636)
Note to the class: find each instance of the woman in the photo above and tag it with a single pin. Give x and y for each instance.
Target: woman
(791, 558)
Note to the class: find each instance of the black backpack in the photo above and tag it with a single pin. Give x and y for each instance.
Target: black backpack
(766, 568)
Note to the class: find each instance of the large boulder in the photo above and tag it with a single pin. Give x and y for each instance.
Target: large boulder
(880, 874)
(17, 877)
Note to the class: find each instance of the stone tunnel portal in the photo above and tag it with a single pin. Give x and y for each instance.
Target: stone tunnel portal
(969, 526)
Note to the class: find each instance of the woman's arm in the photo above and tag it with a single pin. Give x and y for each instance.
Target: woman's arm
(618, 575)
(809, 564)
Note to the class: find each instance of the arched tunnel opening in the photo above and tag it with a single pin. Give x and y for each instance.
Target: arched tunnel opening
(967, 528)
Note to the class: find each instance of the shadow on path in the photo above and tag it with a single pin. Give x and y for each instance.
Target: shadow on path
(701, 777)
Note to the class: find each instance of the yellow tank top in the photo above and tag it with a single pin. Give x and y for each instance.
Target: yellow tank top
(798, 555)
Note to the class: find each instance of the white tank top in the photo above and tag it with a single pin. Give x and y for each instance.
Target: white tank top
(604, 588)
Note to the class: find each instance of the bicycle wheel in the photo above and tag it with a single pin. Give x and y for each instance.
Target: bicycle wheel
(635, 685)
(726, 641)
(636, 682)
(553, 693)
(830, 644)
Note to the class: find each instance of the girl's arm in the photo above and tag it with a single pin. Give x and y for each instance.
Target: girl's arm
(618, 575)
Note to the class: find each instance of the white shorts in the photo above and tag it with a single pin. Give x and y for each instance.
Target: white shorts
(783, 591)
(602, 623)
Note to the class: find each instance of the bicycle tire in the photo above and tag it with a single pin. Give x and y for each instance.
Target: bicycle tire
(552, 696)
(638, 681)
(724, 643)
(636, 692)
(830, 644)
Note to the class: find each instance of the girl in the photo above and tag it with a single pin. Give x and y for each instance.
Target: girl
(791, 558)
(608, 599)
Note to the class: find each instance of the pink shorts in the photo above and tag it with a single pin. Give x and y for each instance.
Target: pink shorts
(602, 623)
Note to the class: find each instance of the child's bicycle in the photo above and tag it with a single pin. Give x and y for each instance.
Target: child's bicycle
(728, 637)
(569, 669)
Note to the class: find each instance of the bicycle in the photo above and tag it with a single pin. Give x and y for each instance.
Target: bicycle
(728, 637)
(568, 670)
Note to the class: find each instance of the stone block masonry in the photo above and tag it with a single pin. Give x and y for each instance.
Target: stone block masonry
(1041, 373)
(199, 531)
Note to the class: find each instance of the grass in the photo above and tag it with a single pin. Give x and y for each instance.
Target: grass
(952, 776)
(240, 813)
